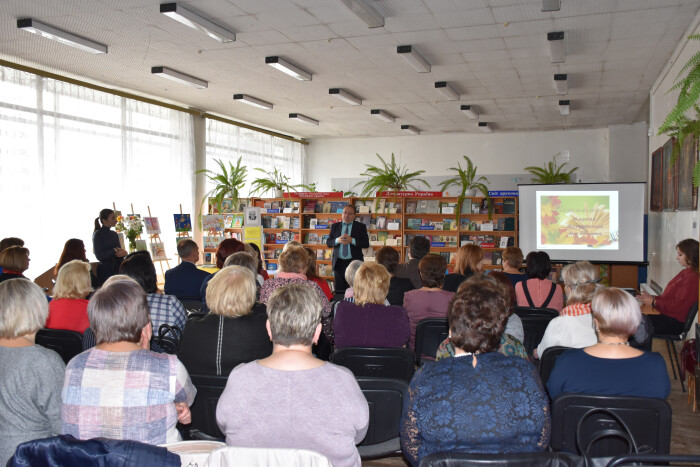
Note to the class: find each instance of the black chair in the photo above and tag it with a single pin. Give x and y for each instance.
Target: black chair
(385, 398)
(524, 459)
(192, 304)
(671, 340)
(197, 315)
(649, 422)
(654, 459)
(535, 321)
(65, 343)
(204, 426)
(390, 362)
(430, 333)
(323, 348)
(548, 359)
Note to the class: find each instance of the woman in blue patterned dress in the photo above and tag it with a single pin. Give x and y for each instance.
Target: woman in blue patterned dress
(479, 401)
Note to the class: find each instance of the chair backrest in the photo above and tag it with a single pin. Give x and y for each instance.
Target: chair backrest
(689, 320)
(209, 389)
(548, 359)
(524, 459)
(67, 344)
(385, 398)
(192, 304)
(197, 315)
(649, 421)
(389, 362)
(430, 333)
(654, 459)
(535, 321)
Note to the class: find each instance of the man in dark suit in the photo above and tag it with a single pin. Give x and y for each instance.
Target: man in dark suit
(347, 239)
(185, 280)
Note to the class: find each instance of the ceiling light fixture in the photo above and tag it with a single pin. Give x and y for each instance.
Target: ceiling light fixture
(410, 129)
(381, 115)
(551, 5)
(564, 107)
(181, 14)
(246, 99)
(557, 50)
(365, 12)
(484, 126)
(304, 119)
(469, 111)
(171, 74)
(561, 82)
(289, 68)
(413, 58)
(447, 90)
(345, 96)
(50, 32)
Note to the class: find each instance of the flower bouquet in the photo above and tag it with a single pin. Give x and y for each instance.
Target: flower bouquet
(133, 226)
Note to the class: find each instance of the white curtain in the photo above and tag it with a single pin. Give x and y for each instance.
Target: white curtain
(67, 151)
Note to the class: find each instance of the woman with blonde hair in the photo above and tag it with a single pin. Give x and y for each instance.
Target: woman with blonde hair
(68, 309)
(574, 325)
(368, 322)
(467, 264)
(233, 332)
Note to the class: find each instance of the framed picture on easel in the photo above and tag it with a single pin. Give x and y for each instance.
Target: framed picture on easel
(657, 177)
(670, 184)
(687, 194)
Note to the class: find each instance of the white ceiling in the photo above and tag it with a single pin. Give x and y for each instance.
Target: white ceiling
(494, 52)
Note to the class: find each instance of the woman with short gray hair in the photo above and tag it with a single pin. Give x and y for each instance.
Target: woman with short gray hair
(293, 389)
(109, 390)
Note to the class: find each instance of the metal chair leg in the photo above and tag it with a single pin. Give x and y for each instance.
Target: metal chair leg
(670, 357)
(678, 365)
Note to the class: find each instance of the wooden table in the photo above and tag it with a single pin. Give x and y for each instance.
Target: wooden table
(649, 310)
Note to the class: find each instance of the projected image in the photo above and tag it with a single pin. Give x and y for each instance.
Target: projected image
(585, 220)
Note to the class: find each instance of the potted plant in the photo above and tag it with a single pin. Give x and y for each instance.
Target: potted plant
(468, 183)
(274, 181)
(388, 177)
(551, 173)
(228, 182)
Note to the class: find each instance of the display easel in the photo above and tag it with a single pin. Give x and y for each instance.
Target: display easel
(155, 238)
(182, 235)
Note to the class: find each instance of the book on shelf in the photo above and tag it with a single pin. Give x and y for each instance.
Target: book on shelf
(381, 222)
(498, 207)
(382, 236)
(266, 222)
(327, 254)
(211, 242)
(433, 206)
(484, 206)
(393, 224)
(503, 243)
(272, 267)
(296, 223)
(448, 208)
(312, 239)
(213, 223)
(313, 223)
(422, 206)
(363, 209)
(497, 258)
(437, 225)
(509, 206)
(310, 206)
(237, 221)
(275, 206)
(411, 207)
(466, 206)
(486, 226)
(413, 224)
(207, 258)
(488, 257)
(366, 219)
(509, 224)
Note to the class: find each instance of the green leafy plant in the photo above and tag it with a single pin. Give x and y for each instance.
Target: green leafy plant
(273, 180)
(388, 177)
(551, 173)
(466, 179)
(311, 187)
(677, 124)
(228, 183)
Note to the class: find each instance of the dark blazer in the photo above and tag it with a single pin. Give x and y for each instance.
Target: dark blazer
(358, 232)
(410, 271)
(398, 286)
(184, 280)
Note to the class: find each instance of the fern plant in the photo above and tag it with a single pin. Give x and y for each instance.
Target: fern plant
(388, 177)
(228, 183)
(551, 173)
(677, 124)
(466, 179)
(273, 180)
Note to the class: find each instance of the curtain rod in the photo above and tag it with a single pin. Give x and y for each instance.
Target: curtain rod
(127, 95)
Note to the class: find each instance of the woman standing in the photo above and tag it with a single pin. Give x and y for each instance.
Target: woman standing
(106, 246)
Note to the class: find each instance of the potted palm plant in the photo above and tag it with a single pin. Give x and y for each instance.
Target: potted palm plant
(468, 183)
(274, 181)
(228, 183)
(551, 173)
(388, 177)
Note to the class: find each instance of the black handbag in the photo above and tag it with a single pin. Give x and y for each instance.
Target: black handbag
(584, 446)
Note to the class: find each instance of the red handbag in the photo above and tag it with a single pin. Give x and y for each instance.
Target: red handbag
(689, 357)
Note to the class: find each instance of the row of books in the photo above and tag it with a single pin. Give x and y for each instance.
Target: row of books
(220, 222)
(427, 224)
(380, 206)
(280, 222)
(380, 222)
(320, 223)
(313, 238)
(500, 224)
(436, 240)
(281, 237)
(384, 238)
(430, 206)
(227, 206)
(324, 269)
(317, 206)
(487, 241)
(324, 254)
(211, 242)
(287, 207)
(500, 206)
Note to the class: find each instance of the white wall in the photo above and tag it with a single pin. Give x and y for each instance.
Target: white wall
(667, 228)
(628, 152)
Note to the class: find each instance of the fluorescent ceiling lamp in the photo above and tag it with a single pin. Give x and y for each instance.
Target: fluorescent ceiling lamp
(557, 50)
(551, 5)
(410, 129)
(447, 90)
(414, 58)
(469, 111)
(50, 32)
(179, 77)
(381, 115)
(564, 107)
(289, 68)
(561, 82)
(484, 126)
(345, 96)
(363, 10)
(250, 100)
(188, 18)
(304, 119)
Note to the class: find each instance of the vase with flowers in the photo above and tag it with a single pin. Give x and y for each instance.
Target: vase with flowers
(132, 226)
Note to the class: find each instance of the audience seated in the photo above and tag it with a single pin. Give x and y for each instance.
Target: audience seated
(225, 249)
(480, 401)
(312, 276)
(14, 260)
(368, 322)
(185, 280)
(75, 249)
(292, 270)
(7, 242)
(398, 286)
(350, 272)
(248, 261)
(233, 332)
(468, 263)
(574, 326)
(512, 261)
(31, 375)
(261, 263)
(418, 248)
(68, 309)
(292, 399)
(120, 389)
(514, 326)
(164, 309)
(430, 301)
(538, 291)
(611, 367)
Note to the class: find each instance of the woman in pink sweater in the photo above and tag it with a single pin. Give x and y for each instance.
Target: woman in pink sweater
(538, 291)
